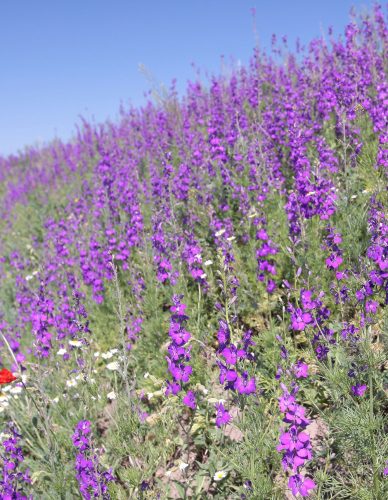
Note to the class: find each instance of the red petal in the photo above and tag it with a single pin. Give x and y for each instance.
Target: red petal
(6, 376)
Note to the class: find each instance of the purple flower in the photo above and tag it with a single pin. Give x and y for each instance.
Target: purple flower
(92, 480)
(301, 484)
(245, 385)
(178, 355)
(371, 306)
(301, 370)
(334, 261)
(80, 436)
(226, 374)
(12, 478)
(300, 319)
(172, 388)
(189, 400)
(230, 354)
(359, 390)
(223, 416)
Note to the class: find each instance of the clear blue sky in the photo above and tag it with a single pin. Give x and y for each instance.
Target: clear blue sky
(60, 59)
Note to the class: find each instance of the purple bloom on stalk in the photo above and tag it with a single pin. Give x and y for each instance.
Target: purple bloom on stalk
(385, 472)
(178, 334)
(245, 385)
(80, 436)
(371, 306)
(306, 299)
(92, 480)
(226, 375)
(179, 371)
(286, 401)
(360, 295)
(296, 416)
(293, 440)
(178, 355)
(359, 389)
(223, 416)
(223, 334)
(334, 261)
(271, 286)
(300, 319)
(189, 400)
(301, 484)
(301, 370)
(230, 354)
(12, 477)
(172, 388)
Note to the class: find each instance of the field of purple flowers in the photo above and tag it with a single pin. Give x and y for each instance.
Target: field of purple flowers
(193, 300)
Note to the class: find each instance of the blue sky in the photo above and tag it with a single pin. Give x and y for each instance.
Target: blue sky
(60, 59)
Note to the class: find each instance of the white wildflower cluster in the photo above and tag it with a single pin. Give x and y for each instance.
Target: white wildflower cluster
(8, 393)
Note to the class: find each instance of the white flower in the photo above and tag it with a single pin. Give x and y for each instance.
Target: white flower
(220, 475)
(146, 375)
(208, 263)
(71, 383)
(150, 395)
(111, 395)
(29, 277)
(220, 232)
(114, 366)
(75, 343)
(183, 466)
(16, 389)
(106, 355)
(96, 354)
(113, 351)
(56, 400)
(61, 352)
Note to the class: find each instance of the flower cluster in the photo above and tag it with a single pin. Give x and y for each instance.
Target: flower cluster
(313, 313)
(178, 354)
(233, 356)
(378, 255)
(295, 444)
(266, 265)
(91, 478)
(192, 255)
(12, 479)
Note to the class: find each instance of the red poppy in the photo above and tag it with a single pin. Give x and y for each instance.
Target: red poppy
(6, 376)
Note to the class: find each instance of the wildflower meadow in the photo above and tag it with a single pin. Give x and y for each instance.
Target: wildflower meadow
(193, 299)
